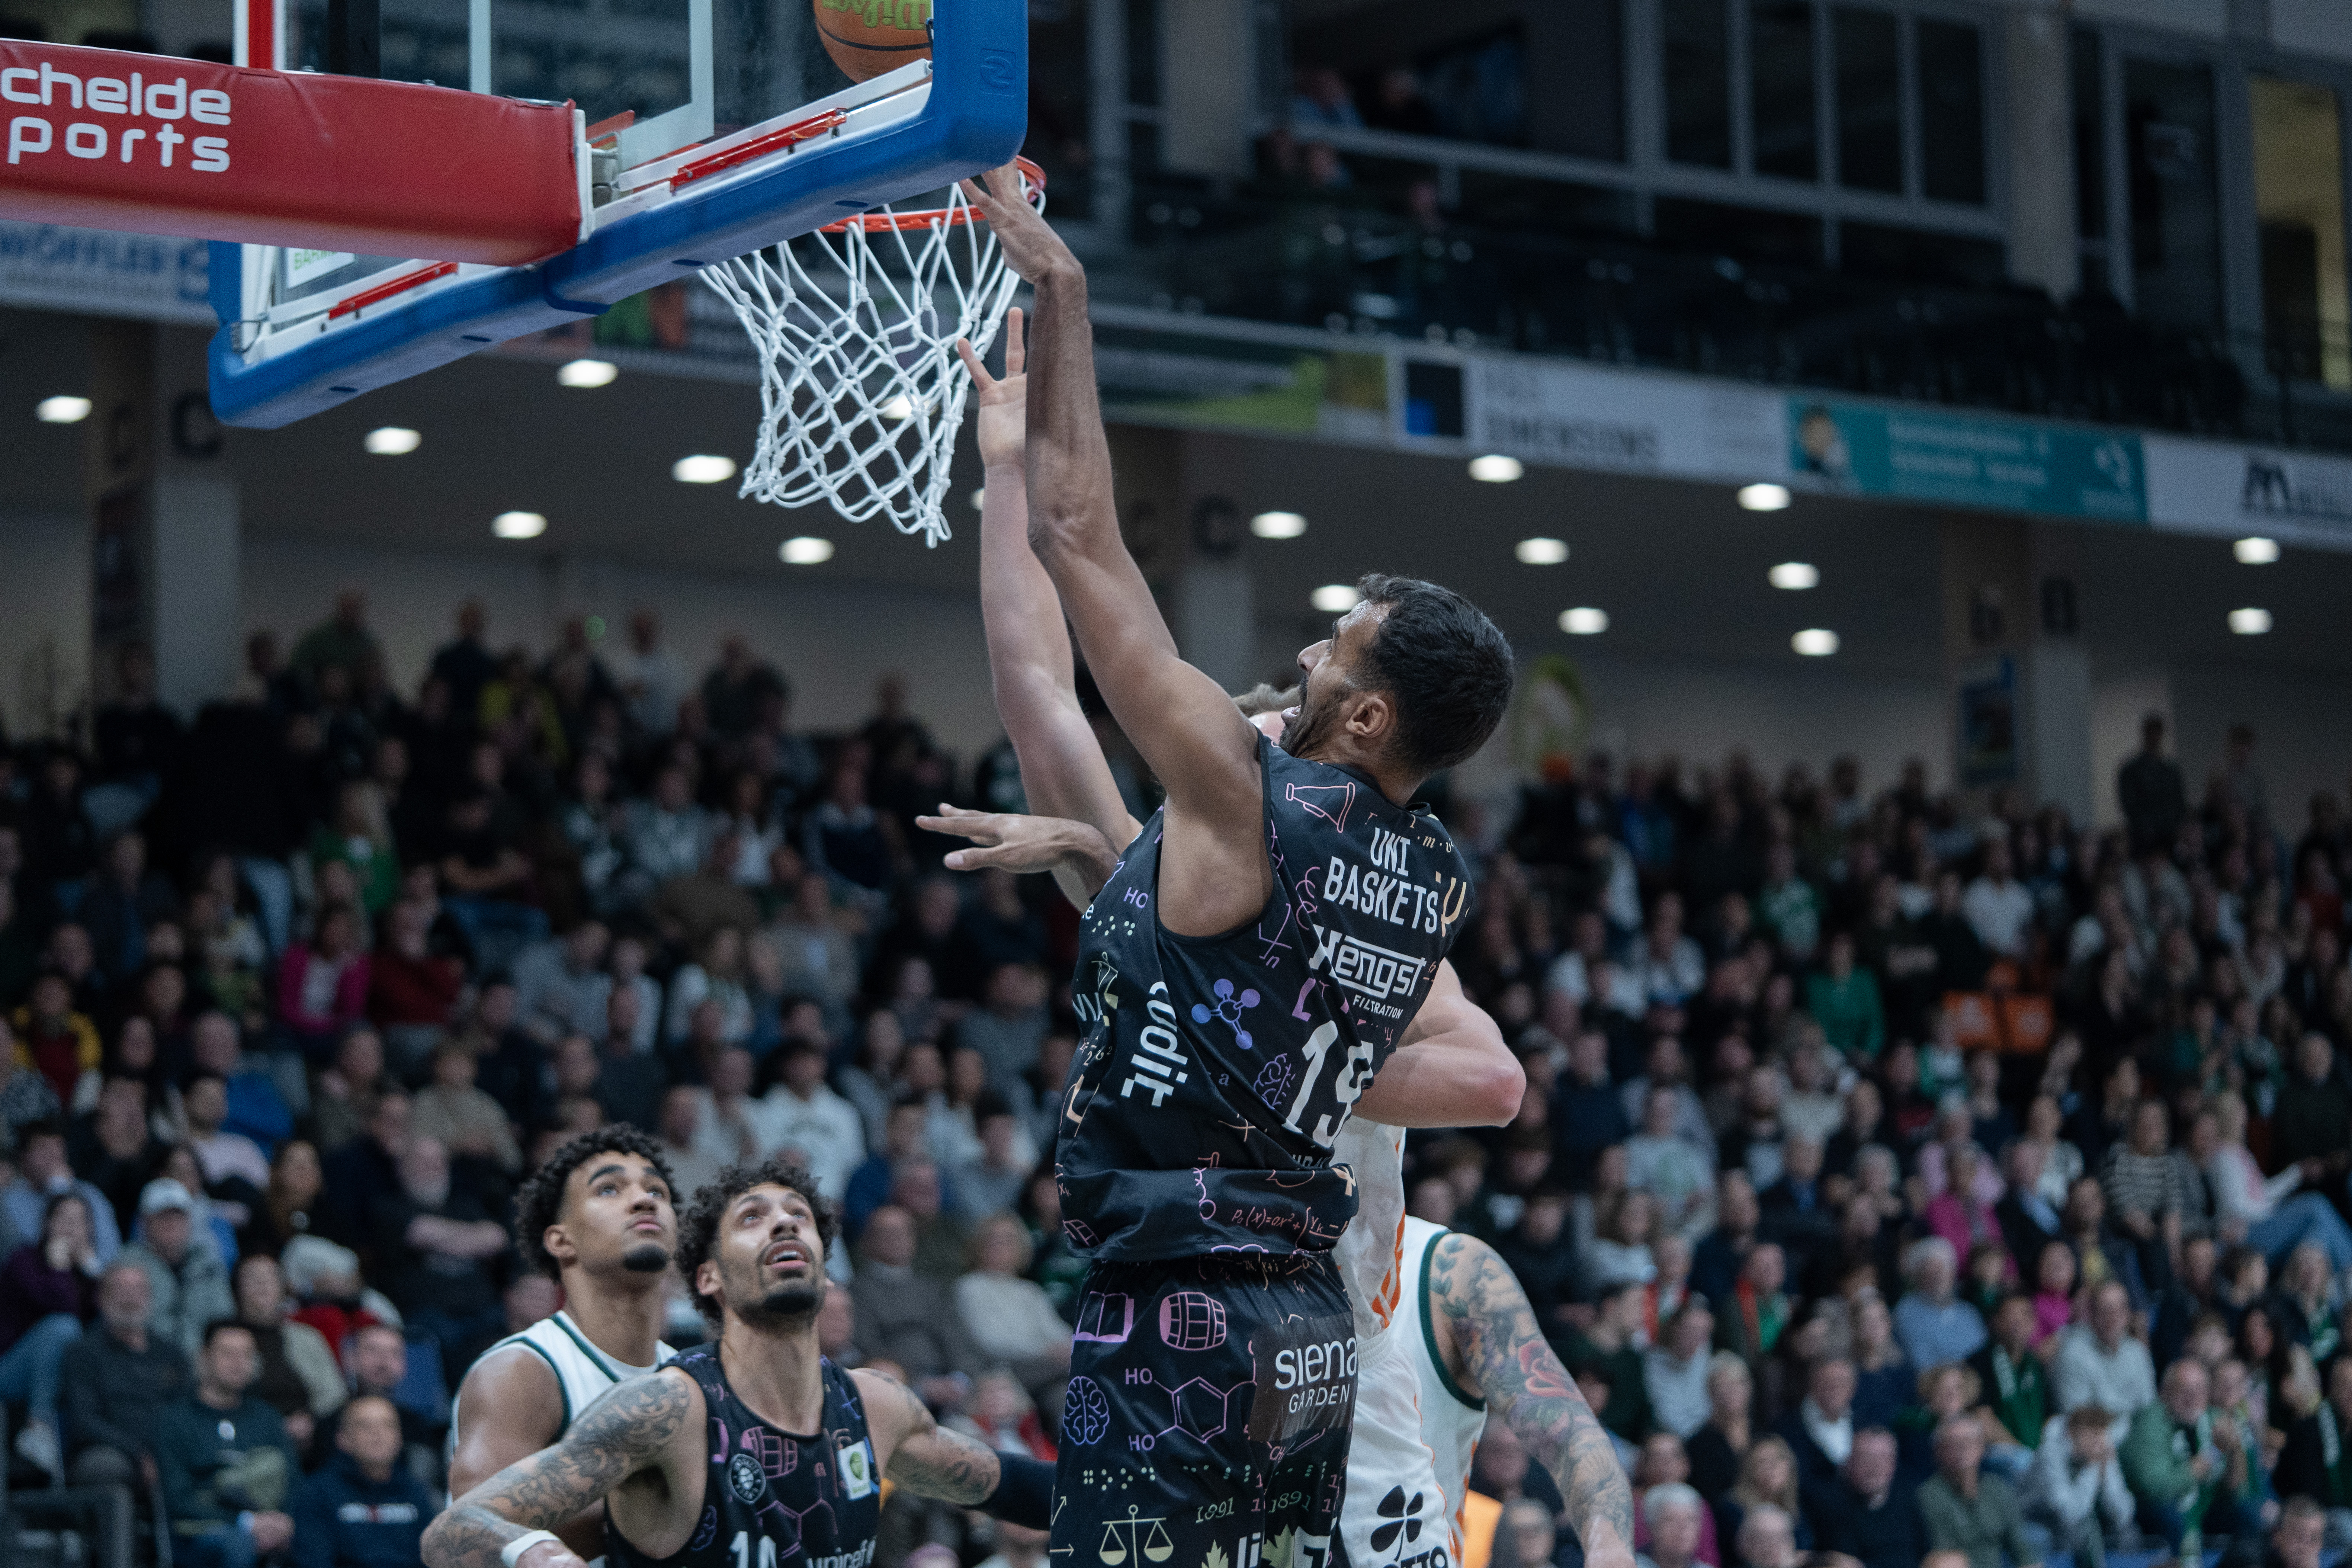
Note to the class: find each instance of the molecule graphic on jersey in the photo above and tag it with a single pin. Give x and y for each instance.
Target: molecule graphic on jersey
(1085, 1414)
(1229, 1007)
(1273, 1081)
(1192, 1320)
(1199, 1408)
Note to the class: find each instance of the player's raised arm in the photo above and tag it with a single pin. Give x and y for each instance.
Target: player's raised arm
(630, 1431)
(1484, 1323)
(1079, 857)
(1452, 1069)
(1062, 768)
(1188, 730)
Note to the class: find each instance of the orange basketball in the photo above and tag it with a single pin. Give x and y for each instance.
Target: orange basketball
(867, 37)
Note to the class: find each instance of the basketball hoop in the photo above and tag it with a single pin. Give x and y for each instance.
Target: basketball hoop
(855, 325)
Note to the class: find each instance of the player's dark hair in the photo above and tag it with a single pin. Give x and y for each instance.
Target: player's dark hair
(1448, 667)
(698, 1229)
(540, 1202)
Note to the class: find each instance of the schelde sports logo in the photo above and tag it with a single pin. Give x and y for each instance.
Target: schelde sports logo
(93, 117)
(745, 1480)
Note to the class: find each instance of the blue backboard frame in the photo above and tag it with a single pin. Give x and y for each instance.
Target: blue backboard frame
(974, 118)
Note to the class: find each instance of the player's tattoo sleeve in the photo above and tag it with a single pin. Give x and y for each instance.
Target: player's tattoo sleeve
(620, 1435)
(1509, 1363)
(935, 1462)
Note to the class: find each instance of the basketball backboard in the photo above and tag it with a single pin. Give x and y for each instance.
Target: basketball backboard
(708, 128)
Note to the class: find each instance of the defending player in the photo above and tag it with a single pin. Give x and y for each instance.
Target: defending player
(1261, 949)
(600, 1218)
(754, 1449)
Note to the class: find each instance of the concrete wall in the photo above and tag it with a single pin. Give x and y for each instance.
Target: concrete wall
(44, 619)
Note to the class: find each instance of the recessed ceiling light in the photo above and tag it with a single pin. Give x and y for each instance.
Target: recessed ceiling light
(702, 469)
(519, 525)
(1335, 598)
(1278, 525)
(62, 410)
(1540, 551)
(1495, 468)
(979, 498)
(806, 550)
(587, 372)
(1584, 621)
(1815, 642)
(1764, 497)
(900, 409)
(2255, 552)
(2250, 622)
(391, 441)
(1794, 576)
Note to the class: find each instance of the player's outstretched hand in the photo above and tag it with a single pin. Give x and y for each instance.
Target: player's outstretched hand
(1014, 843)
(1030, 244)
(1004, 404)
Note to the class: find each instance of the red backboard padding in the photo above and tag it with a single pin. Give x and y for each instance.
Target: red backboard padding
(155, 144)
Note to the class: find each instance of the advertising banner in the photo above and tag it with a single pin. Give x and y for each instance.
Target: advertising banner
(2205, 487)
(50, 267)
(1591, 417)
(1967, 460)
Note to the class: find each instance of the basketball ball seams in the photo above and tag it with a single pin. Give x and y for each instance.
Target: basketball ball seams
(867, 37)
(831, 37)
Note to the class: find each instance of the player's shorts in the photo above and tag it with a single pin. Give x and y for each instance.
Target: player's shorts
(1207, 1416)
(1396, 1514)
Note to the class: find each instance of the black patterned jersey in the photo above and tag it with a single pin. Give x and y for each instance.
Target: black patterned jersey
(776, 1499)
(1216, 1072)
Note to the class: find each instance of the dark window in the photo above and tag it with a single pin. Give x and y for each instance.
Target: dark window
(1750, 234)
(1579, 93)
(1516, 203)
(1432, 399)
(1143, 52)
(1921, 256)
(1870, 101)
(2176, 218)
(1951, 112)
(2090, 135)
(1781, 86)
(1060, 132)
(1698, 83)
(1477, 89)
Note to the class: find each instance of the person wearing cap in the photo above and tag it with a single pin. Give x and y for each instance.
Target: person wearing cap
(183, 1264)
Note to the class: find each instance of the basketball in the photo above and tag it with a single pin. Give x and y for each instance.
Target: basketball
(867, 37)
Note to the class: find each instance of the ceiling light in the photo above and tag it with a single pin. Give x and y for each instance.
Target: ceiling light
(1584, 621)
(62, 410)
(806, 550)
(1540, 551)
(1495, 468)
(1794, 576)
(900, 409)
(2250, 622)
(519, 525)
(702, 469)
(391, 441)
(2255, 552)
(1335, 598)
(1764, 497)
(979, 498)
(587, 372)
(1815, 642)
(1278, 525)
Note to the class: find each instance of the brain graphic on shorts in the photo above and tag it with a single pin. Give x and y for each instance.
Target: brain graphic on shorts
(1190, 1321)
(1273, 1081)
(1085, 1414)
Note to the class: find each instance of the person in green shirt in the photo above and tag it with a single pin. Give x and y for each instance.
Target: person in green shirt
(1843, 999)
(344, 640)
(2188, 1471)
(1607, 1346)
(226, 1462)
(2016, 1391)
(1967, 1510)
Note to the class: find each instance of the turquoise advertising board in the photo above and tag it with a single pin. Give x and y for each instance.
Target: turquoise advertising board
(1967, 460)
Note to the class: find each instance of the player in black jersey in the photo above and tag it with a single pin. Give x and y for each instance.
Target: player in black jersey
(752, 1452)
(1260, 949)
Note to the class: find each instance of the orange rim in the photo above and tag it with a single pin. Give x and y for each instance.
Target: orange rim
(1033, 178)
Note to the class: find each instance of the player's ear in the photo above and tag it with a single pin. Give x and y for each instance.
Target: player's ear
(1373, 718)
(706, 1277)
(559, 1246)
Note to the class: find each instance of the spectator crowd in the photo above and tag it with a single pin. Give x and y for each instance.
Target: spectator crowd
(1893, 1177)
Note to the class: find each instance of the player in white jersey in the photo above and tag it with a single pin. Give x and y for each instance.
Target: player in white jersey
(599, 1217)
(1445, 1337)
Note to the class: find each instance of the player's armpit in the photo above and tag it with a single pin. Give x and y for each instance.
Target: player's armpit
(628, 1431)
(917, 1453)
(509, 1406)
(1451, 1069)
(1506, 1360)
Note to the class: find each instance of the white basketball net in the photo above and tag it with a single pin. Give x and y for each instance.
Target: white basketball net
(861, 393)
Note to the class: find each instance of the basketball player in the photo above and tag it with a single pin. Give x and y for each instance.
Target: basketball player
(599, 1219)
(755, 1448)
(1294, 907)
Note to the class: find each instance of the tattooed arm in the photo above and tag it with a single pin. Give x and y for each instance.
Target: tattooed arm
(1487, 1331)
(628, 1432)
(916, 1452)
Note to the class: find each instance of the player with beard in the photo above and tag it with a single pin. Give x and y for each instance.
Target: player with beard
(599, 1217)
(1262, 948)
(753, 1448)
